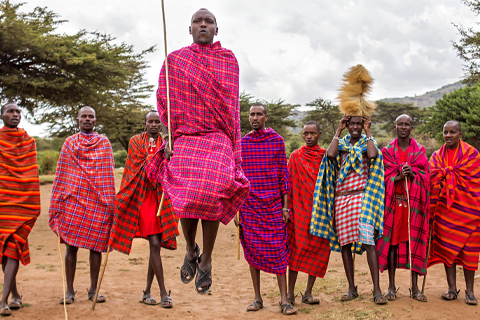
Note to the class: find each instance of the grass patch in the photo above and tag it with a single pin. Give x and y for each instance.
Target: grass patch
(305, 310)
(44, 266)
(46, 178)
(370, 313)
(329, 285)
(135, 261)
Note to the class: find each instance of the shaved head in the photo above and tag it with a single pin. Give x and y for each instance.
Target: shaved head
(5, 105)
(205, 9)
(83, 108)
(404, 115)
(454, 123)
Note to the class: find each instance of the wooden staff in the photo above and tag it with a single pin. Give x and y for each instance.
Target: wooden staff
(169, 145)
(238, 235)
(100, 279)
(409, 239)
(63, 277)
(168, 99)
(428, 254)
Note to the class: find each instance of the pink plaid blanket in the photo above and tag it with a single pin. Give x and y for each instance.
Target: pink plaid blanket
(204, 178)
(419, 204)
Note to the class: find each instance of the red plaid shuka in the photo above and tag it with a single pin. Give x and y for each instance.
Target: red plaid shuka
(264, 234)
(81, 207)
(455, 207)
(204, 178)
(308, 253)
(419, 202)
(130, 198)
(20, 193)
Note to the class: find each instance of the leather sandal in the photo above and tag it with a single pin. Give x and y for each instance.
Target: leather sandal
(470, 299)
(450, 295)
(309, 299)
(287, 309)
(350, 295)
(255, 305)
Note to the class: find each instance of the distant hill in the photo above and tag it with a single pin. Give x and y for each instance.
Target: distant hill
(427, 99)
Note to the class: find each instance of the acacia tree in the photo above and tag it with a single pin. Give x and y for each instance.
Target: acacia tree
(386, 113)
(462, 105)
(52, 74)
(279, 114)
(327, 115)
(468, 47)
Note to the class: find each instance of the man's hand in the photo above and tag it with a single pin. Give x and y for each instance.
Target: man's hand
(235, 220)
(367, 123)
(407, 171)
(343, 123)
(168, 152)
(286, 216)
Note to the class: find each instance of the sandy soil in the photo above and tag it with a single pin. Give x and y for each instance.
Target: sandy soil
(40, 283)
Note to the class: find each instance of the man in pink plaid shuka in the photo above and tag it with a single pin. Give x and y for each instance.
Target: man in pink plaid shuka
(203, 176)
(81, 207)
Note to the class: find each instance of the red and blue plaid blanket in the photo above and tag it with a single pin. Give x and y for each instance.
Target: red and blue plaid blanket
(81, 207)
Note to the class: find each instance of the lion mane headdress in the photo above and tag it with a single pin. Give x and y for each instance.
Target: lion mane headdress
(356, 85)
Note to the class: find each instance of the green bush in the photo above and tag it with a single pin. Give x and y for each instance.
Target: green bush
(120, 157)
(47, 161)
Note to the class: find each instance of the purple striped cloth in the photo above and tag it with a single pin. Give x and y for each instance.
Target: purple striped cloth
(264, 234)
(204, 178)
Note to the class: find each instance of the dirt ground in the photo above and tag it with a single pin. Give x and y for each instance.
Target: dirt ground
(40, 283)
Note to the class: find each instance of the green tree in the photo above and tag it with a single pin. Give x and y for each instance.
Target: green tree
(52, 74)
(327, 115)
(386, 113)
(468, 47)
(462, 105)
(279, 114)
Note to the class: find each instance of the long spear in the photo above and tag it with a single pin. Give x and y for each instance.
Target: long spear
(169, 142)
(409, 239)
(168, 99)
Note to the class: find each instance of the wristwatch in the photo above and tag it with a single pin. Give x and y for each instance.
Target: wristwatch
(286, 209)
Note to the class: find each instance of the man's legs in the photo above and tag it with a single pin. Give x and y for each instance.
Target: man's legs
(189, 227)
(95, 262)
(348, 266)
(292, 279)
(282, 285)
(451, 277)
(156, 263)
(392, 267)
(310, 283)
(372, 259)
(209, 229)
(70, 268)
(150, 276)
(10, 269)
(469, 280)
(255, 274)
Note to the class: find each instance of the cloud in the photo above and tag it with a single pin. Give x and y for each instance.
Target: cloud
(297, 51)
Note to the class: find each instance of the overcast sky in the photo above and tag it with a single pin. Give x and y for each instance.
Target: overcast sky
(296, 50)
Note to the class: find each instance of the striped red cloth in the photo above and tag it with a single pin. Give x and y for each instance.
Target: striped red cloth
(419, 202)
(130, 198)
(204, 178)
(308, 253)
(20, 192)
(455, 207)
(264, 234)
(81, 207)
